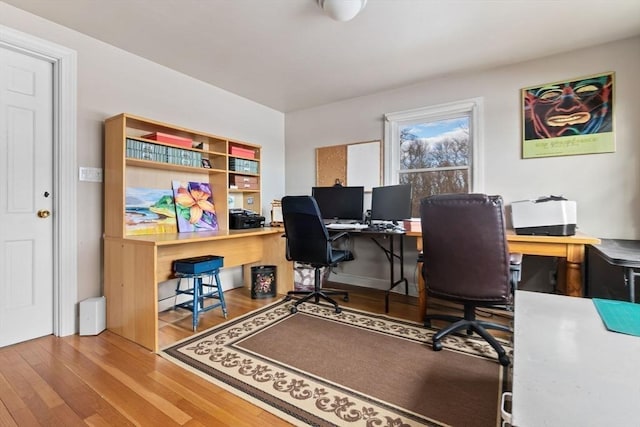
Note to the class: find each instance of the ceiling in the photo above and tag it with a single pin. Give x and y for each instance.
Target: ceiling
(289, 55)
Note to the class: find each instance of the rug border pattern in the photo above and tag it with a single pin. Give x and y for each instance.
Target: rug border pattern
(255, 378)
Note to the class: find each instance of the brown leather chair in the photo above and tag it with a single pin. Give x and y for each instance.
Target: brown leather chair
(466, 260)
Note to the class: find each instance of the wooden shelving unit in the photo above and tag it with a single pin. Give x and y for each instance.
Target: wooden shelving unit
(134, 264)
(245, 183)
(122, 170)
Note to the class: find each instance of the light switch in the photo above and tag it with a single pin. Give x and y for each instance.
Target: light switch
(90, 174)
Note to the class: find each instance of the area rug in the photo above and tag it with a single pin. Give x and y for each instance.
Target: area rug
(320, 368)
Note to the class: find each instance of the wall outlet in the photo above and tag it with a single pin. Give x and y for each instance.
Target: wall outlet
(90, 174)
(249, 200)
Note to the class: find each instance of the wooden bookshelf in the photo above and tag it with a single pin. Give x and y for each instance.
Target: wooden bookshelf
(134, 264)
(122, 170)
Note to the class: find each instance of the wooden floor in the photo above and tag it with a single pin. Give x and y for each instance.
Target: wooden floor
(106, 380)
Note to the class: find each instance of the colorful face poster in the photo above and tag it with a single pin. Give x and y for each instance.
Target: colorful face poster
(568, 117)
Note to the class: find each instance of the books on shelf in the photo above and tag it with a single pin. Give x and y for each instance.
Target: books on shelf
(242, 165)
(161, 153)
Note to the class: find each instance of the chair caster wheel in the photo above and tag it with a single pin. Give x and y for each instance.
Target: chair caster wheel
(469, 331)
(437, 346)
(294, 310)
(504, 360)
(287, 298)
(346, 298)
(427, 323)
(338, 310)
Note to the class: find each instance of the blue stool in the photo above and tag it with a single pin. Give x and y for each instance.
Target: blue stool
(202, 275)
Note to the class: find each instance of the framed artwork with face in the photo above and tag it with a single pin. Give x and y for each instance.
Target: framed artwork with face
(569, 117)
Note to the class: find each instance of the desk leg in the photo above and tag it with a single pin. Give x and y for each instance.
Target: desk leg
(391, 256)
(575, 258)
(422, 295)
(392, 282)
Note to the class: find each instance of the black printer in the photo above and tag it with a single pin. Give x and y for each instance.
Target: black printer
(241, 218)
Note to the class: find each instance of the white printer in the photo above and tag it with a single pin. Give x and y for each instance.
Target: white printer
(547, 215)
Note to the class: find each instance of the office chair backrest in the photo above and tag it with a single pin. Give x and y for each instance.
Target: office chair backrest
(465, 248)
(307, 236)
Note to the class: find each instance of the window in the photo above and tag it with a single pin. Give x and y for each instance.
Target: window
(435, 149)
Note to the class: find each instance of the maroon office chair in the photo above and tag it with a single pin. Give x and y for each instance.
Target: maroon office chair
(466, 260)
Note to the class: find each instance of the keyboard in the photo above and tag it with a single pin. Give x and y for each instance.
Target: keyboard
(339, 226)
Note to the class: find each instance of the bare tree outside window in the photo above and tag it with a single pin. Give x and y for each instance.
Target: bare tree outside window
(433, 149)
(434, 158)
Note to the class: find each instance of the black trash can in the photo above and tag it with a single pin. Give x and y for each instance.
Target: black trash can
(263, 281)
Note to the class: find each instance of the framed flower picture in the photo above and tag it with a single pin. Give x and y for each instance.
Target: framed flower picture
(195, 210)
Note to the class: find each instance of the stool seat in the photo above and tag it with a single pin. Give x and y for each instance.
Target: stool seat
(203, 286)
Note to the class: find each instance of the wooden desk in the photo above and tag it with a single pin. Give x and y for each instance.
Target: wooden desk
(134, 265)
(568, 369)
(569, 248)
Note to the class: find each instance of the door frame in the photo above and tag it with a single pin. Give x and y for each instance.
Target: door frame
(65, 258)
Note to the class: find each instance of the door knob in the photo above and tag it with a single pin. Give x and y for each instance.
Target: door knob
(42, 213)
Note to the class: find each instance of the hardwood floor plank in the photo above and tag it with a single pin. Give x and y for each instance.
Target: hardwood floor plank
(203, 399)
(96, 420)
(107, 380)
(35, 394)
(82, 399)
(12, 403)
(5, 417)
(121, 396)
(137, 380)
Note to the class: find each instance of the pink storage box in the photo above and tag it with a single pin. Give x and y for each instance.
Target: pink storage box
(243, 152)
(170, 139)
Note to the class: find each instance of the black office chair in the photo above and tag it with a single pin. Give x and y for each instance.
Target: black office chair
(308, 241)
(466, 260)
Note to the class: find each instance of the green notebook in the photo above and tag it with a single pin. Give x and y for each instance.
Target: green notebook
(619, 316)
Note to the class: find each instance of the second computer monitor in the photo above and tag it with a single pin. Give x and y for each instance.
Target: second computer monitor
(391, 202)
(340, 203)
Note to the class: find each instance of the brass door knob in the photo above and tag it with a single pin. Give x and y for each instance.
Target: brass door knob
(42, 213)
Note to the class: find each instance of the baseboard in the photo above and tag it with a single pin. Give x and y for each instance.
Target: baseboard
(368, 282)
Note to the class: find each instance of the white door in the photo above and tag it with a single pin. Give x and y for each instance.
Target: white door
(26, 199)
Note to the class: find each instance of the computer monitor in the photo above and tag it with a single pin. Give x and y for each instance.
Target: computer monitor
(391, 202)
(340, 203)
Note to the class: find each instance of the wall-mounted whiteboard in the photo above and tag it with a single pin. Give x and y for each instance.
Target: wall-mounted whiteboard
(364, 164)
(355, 164)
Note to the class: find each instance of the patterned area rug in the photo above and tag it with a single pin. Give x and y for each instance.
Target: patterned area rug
(316, 367)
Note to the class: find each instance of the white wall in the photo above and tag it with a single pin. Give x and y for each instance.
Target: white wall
(605, 186)
(112, 81)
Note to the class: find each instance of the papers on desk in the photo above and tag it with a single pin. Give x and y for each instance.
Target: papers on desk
(619, 316)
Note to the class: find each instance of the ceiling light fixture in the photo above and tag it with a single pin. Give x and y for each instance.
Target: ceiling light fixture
(342, 10)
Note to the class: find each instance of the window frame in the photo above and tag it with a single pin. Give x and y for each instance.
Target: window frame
(472, 107)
